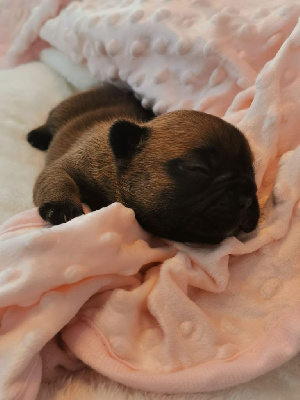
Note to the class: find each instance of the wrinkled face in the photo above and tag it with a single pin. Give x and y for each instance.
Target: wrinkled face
(189, 177)
(214, 191)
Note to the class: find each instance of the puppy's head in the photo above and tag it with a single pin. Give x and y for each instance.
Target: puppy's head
(187, 175)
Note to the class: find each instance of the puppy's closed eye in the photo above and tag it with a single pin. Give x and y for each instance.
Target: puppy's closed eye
(194, 167)
(189, 168)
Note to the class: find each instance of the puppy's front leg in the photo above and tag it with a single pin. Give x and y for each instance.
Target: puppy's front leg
(57, 195)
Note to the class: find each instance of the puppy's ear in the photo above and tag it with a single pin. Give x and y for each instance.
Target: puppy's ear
(126, 138)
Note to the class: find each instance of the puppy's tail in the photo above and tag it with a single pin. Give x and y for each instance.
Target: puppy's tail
(40, 138)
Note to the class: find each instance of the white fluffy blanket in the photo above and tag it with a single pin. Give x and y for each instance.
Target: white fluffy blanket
(27, 93)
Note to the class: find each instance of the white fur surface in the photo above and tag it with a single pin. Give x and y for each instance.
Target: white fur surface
(281, 384)
(27, 94)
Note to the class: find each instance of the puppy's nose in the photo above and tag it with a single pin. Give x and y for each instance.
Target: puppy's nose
(245, 202)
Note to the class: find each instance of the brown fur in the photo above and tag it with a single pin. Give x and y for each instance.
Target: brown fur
(85, 162)
(80, 152)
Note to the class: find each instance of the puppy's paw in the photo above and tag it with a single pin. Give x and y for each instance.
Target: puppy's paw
(58, 212)
(40, 138)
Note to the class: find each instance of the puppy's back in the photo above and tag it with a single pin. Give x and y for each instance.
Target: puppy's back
(75, 115)
(107, 99)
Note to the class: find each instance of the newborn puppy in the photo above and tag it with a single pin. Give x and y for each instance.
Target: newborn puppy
(187, 175)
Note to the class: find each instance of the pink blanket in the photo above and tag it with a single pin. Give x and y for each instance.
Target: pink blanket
(154, 315)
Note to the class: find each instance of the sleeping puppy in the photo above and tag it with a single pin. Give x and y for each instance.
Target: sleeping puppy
(187, 175)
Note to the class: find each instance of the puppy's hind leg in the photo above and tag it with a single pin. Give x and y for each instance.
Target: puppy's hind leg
(40, 138)
(56, 195)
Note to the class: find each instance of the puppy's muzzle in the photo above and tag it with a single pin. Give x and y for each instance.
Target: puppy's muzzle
(237, 205)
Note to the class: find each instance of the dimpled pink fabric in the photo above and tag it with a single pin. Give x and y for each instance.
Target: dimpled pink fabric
(20, 22)
(161, 316)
